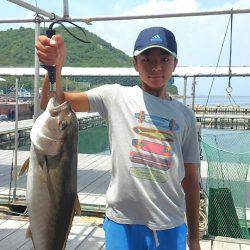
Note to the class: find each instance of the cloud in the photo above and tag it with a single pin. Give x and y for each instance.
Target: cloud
(199, 38)
(160, 7)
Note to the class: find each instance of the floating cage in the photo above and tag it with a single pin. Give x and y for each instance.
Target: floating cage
(228, 157)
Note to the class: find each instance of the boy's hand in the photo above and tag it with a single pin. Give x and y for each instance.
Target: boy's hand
(51, 51)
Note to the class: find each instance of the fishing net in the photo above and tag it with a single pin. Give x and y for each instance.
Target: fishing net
(228, 157)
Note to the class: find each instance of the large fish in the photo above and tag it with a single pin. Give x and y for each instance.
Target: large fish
(52, 177)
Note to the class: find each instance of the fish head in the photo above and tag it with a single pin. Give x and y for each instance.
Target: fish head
(53, 126)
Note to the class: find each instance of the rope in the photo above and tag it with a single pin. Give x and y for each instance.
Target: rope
(36, 5)
(210, 89)
(230, 97)
(223, 41)
(226, 151)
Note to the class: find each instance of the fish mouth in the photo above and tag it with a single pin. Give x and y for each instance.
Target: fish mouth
(54, 111)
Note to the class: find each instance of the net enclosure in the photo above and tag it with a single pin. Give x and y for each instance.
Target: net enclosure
(228, 158)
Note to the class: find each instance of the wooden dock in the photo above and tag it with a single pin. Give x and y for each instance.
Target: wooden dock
(224, 121)
(86, 232)
(222, 110)
(92, 176)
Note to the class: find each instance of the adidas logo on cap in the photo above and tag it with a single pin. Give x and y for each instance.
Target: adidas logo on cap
(156, 38)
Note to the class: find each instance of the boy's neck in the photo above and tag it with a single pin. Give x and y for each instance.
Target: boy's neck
(161, 93)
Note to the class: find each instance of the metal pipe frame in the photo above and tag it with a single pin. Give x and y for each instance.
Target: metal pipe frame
(86, 71)
(37, 75)
(193, 91)
(16, 142)
(170, 15)
(185, 91)
(89, 20)
(65, 9)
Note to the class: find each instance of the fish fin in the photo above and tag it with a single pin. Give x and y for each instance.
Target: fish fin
(24, 167)
(28, 233)
(77, 206)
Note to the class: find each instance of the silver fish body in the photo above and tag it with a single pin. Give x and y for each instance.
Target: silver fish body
(52, 176)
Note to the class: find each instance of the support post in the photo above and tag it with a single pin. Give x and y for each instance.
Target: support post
(193, 91)
(65, 9)
(14, 176)
(185, 91)
(36, 79)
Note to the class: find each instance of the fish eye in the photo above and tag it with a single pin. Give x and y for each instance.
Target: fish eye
(63, 125)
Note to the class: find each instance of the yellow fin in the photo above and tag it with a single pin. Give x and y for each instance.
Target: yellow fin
(77, 206)
(24, 167)
(28, 233)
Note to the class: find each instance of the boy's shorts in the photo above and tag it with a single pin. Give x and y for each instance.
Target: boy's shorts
(140, 237)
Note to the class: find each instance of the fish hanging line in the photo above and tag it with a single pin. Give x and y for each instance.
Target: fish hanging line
(229, 89)
(51, 32)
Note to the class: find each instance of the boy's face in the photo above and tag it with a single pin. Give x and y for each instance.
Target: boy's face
(155, 67)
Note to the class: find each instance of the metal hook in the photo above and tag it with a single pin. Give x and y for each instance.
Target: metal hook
(229, 90)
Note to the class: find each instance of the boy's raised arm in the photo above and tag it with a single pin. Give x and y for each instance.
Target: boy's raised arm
(53, 52)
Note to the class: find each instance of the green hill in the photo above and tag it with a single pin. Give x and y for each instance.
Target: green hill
(17, 49)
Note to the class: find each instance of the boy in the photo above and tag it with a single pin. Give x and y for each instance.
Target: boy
(153, 144)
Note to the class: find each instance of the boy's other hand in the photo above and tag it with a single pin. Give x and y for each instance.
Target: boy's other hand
(51, 51)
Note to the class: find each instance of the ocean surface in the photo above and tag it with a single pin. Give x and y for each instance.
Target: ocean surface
(242, 101)
(90, 141)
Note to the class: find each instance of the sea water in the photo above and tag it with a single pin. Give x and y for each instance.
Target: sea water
(90, 141)
(241, 101)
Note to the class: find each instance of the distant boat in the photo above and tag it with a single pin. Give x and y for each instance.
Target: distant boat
(22, 92)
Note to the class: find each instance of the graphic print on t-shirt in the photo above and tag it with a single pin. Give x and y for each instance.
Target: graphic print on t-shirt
(154, 133)
(152, 152)
(158, 121)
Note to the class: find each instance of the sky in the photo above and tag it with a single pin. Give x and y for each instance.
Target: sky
(199, 39)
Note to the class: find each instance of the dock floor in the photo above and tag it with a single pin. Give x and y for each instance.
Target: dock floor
(86, 232)
(93, 176)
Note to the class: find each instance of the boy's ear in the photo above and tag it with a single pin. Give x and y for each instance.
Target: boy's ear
(135, 63)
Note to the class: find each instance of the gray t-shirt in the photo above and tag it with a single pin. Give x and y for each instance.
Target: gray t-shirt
(150, 140)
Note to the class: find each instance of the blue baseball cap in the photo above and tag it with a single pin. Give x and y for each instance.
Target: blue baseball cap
(155, 37)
